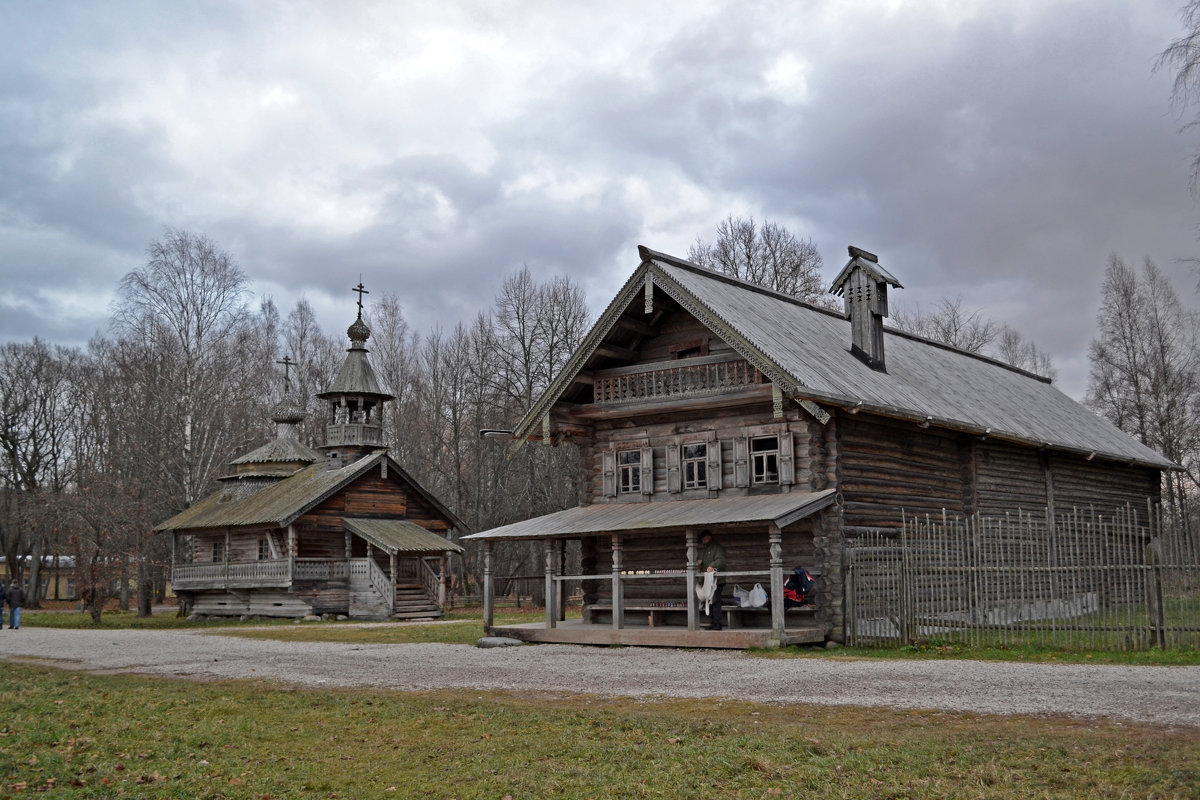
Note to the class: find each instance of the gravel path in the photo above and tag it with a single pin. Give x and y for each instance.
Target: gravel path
(1166, 695)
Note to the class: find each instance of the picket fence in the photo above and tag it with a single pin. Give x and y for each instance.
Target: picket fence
(1124, 581)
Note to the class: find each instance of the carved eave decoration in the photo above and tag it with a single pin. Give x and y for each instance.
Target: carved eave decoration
(648, 277)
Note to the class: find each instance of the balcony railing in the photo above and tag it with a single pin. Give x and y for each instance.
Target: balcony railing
(353, 433)
(257, 574)
(693, 377)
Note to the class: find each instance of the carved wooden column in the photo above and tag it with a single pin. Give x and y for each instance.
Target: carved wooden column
(548, 556)
(489, 601)
(560, 596)
(618, 588)
(443, 575)
(291, 553)
(776, 540)
(691, 579)
(393, 562)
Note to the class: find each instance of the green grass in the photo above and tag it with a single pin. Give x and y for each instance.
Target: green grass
(125, 620)
(955, 650)
(66, 734)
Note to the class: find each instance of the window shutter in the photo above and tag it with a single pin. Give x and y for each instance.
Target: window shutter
(741, 461)
(608, 469)
(674, 481)
(787, 467)
(714, 464)
(647, 478)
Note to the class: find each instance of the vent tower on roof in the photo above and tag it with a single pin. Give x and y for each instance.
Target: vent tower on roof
(864, 284)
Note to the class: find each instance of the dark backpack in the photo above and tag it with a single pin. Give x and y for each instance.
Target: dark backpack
(797, 588)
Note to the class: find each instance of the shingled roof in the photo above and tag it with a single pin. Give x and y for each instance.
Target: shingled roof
(805, 351)
(279, 504)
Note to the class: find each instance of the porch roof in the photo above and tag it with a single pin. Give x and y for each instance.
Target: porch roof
(399, 536)
(781, 509)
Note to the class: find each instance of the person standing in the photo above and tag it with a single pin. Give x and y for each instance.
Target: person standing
(712, 559)
(16, 598)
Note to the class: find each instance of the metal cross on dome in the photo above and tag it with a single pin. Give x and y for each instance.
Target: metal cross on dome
(287, 372)
(361, 291)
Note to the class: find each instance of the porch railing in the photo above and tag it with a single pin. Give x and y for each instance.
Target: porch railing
(248, 574)
(256, 574)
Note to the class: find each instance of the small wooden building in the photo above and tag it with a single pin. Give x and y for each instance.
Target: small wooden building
(702, 402)
(294, 532)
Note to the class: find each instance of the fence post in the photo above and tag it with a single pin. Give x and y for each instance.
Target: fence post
(906, 625)
(1158, 616)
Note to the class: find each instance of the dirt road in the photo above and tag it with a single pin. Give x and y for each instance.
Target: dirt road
(1166, 695)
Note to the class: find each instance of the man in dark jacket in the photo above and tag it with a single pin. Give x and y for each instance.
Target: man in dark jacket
(16, 598)
(712, 559)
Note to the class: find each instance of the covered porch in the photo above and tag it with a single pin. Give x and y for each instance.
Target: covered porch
(640, 561)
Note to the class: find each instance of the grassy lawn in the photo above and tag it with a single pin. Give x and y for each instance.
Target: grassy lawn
(66, 734)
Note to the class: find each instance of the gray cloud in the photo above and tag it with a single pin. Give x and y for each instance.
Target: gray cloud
(997, 152)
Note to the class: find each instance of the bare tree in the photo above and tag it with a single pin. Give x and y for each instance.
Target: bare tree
(1145, 370)
(1183, 56)
(317, 358)
(1013, 348)
(189, 302)
(768, 255)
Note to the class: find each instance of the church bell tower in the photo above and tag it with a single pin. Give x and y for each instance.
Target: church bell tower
(354, 421)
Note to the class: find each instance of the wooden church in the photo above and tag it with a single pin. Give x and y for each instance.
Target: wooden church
(294, 532)
(700, 402)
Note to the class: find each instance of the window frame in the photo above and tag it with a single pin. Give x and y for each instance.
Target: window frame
(629, 472)
(761, 461)
(694, 468)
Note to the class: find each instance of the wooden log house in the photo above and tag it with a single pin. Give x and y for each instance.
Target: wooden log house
(702, 402)
(294, 532)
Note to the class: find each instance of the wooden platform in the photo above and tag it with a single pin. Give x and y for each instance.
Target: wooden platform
(575, 631)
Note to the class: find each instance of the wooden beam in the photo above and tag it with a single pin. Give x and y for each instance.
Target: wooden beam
(620, 353)
(638, 326)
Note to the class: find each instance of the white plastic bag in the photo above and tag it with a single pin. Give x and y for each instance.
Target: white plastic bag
(706, 589)
(742, 596)
(758, 596)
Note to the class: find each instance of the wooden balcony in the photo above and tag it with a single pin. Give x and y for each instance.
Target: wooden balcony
(353, 433)
(669, 380)
(264, 574)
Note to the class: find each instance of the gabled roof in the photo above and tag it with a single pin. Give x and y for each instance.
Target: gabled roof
(781, 509)
(805, 351)
(399, 536)
(279, 504)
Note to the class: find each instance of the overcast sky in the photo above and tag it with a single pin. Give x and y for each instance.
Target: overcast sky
(997, 151)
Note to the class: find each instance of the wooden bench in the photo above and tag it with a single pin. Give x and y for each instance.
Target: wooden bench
(658, 613)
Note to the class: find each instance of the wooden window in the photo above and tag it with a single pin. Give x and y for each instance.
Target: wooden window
(764, 459)
(218, 552)
(695, 466)
(264, 549)
(629, 464)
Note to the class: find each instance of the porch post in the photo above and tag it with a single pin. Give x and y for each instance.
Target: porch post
(691, 579)
(349, 550)
(488, 600)
(442, 583)
(393, 562)
(548, 555)
(776, 540)
(618, 589)
(291, 546)
(561, 596)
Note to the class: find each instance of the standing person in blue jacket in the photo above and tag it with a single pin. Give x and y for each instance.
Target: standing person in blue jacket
(712, 559)
(16, 598)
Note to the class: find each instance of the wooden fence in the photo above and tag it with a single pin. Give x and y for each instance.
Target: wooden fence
(1119, 582)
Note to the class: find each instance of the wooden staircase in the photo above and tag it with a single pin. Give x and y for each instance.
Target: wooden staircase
(413, 602)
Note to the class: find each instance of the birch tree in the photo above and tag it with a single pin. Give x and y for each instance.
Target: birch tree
(188, 302)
